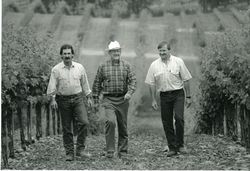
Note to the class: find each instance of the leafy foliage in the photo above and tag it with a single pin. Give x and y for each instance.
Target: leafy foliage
(225, 71)
(211, 4)
(27, 60)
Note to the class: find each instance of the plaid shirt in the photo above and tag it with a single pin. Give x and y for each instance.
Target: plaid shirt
(114, 78)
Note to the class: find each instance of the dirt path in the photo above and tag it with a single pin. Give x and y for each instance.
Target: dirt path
(206, 152)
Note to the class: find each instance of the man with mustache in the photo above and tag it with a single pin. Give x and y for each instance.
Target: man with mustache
(116, 81)
(67, 86)
(169, 76)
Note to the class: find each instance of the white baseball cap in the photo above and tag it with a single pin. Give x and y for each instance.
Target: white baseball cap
(113, 45)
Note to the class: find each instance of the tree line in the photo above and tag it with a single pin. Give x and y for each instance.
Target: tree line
(211, 4)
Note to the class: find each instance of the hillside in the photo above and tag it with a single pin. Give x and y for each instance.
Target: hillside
(92, 53)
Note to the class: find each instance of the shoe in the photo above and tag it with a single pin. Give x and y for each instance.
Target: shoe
(122, 155)
(83, 154)
(165, 149)
(183, 150)
(171, 153)
(110, 154)
(69, 157)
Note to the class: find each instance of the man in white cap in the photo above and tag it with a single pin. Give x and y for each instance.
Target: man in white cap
(117, 82)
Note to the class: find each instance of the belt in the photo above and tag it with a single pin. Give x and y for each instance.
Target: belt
(170, 92)
(114, 95)
(69, 96)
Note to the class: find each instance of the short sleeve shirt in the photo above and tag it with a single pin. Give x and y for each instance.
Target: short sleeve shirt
(168, 76)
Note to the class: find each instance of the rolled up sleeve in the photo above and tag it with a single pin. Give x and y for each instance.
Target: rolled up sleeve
(131, 81)
(85, 83)
(184, 72)
(52, 86)
(150, 76)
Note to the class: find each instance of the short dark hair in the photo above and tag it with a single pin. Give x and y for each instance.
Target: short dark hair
(66, 46)
(163, 43)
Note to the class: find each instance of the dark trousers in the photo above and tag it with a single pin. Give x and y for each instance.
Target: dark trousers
(172, 106)
(116, 110)
(73, 107)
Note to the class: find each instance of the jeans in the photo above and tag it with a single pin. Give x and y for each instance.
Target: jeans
(172, 106)
(73, 107)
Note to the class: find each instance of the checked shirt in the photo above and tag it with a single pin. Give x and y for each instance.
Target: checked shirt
(114, 78)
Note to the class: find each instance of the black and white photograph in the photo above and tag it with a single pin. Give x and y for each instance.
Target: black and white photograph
(125, 85)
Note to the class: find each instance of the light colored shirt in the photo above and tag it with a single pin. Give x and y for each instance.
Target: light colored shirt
(68, 81)
(168, 76)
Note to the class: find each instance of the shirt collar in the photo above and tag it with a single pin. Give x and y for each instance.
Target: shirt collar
(64, 66)
(170, 58)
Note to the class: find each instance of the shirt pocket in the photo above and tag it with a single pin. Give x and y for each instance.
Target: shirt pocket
(174, 75)
(76, 76)
(106, 80)
(62, 77)
(63, 81)
(76, 79)
(159, 78)
(174, 71)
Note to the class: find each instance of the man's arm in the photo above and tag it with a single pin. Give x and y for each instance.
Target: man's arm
(97, 85)
(85, 84)
(152, 90)
(186, 76)
(150, 80)
(187, 88)
(131, 82)
(188, 95)
(85, 88)
(52, 88)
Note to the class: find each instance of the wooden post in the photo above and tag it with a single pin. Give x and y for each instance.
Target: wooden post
(224, 120)
(4, 140)
(213, 127)
(54, 121)
(238, 123)
(22, 136)
(10, 127)
(47, 119)
(29, 123)
(38, 120)
(243, 123)
(247, 114)
(44, 119)
(59, 129)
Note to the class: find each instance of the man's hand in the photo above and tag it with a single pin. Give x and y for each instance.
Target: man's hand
(53, 104)
(127, 97)
(188, 102)
(154, 104)
(95, 107)
(90, 102)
